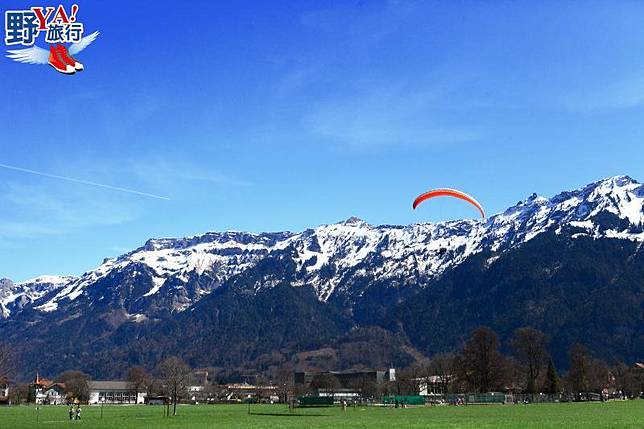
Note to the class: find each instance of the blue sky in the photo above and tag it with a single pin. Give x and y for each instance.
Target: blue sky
(262, 117)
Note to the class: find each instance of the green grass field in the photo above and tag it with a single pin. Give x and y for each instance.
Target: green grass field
(628, 414)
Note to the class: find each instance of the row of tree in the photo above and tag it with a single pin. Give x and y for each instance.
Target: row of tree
(480, 366)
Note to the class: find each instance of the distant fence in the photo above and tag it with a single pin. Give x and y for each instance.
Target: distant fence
(401, 399)
(486, 398)
(535, 398)
(497, 398)
(452, 398)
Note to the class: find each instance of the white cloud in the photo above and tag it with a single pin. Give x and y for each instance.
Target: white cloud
(382, 115)
(34, 209)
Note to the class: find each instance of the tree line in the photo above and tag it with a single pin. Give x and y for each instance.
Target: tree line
(480, 366)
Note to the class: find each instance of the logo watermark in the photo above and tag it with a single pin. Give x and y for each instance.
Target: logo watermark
(57, 26)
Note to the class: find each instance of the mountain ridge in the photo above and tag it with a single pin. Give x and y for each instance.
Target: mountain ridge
(434, 247)
(360, 276)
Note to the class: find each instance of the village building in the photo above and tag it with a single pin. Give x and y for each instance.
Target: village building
(114, 392)
(4, 391)
(433, 385)
(201, 377)
(244, 391)
(346, 394)
(45, 392)
(347, 379)
(197, 393)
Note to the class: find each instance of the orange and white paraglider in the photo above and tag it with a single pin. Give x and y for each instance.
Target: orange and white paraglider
(446, 192)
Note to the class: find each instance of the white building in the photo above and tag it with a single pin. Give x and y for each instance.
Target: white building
(4, 391)
(341, 394)
(53, 394)
(46, 392)
(433, 385)
(196, 392)
(114, 392)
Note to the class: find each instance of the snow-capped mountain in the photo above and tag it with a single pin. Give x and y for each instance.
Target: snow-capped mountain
(15, 296)
(340, 260)
(165, 275)
(571, 265)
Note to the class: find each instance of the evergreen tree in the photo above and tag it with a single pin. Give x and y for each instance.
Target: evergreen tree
(553, 386)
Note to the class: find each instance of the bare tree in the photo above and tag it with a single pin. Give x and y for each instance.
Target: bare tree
(138, 380)
(19, 393)
(578, 374)
(367, 386)
(407, 381)
(586, 374)
(285, 379)
(599, 375)
(624, 380)
(514, 375)
(530, 349)
(176, 376)
(76, 384)
(480, 364)
(155, 387)
(443, 366)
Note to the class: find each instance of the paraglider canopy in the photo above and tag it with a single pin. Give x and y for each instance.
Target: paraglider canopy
(446, 192)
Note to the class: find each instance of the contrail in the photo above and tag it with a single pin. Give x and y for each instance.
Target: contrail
(84, 182)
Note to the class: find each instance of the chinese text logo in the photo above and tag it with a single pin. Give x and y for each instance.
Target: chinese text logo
(57, 27)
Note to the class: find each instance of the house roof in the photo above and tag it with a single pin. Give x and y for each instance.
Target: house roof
(109, 385)
(57, 386)
(41, 381)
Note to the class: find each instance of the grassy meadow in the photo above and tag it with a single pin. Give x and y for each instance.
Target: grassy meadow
(629, 414)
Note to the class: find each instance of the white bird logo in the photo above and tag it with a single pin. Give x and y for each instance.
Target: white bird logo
(59, 56)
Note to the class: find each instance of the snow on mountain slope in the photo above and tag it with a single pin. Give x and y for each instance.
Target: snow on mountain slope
(14, 296)
(172, 262)
(337, 258)
(585, 208)
(422, 251)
